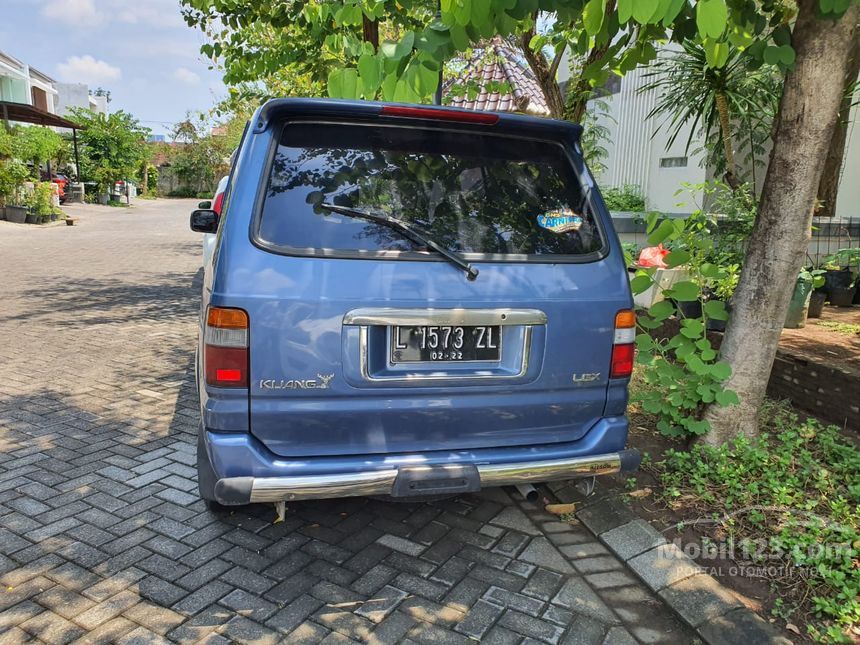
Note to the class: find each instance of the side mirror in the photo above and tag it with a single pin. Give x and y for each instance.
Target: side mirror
(204, 205)
(204, 221)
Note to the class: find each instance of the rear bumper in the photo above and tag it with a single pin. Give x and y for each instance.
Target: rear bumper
(244, 490)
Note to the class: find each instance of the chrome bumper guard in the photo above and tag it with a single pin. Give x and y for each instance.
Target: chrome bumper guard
(243, 490)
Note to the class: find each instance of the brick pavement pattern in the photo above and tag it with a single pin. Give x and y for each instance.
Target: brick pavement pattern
(102, 536)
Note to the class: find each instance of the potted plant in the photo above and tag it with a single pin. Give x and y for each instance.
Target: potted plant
(721, 288)
(841, 288)
(816, 302)
(40, 203)
(807, 280)
(13, 173)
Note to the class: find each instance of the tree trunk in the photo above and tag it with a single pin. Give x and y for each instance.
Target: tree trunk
(545, 73)
(370, 31)
(726, 136)
(579, 90)
(829, 186)
(778, 243)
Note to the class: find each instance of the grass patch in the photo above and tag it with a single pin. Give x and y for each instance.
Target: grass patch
(117, 204)
(849, 329)
(788, 500)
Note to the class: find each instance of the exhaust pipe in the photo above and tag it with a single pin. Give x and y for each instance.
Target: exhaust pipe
(529, 492)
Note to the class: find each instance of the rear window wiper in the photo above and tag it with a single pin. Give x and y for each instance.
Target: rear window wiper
(408, 231)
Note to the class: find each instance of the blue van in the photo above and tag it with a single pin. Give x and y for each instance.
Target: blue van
(408, 301)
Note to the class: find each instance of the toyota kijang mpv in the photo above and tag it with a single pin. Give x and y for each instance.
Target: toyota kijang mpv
(407, 301)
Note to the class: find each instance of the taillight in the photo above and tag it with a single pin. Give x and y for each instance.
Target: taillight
(225, 347)
(218, 203)
(623, 344)
(463, 116)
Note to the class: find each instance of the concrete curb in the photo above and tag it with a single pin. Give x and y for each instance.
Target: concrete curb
(710, 609)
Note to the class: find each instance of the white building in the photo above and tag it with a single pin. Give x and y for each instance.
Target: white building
(20, 83)
(77, 95)
(638, 154)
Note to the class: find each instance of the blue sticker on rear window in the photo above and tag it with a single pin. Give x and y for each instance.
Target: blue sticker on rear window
(562, 220)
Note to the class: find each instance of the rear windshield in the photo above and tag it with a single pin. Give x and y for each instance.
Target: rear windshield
(472, 193)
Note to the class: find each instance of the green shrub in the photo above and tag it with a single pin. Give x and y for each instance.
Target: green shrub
(40, 200)
(789, 497)
(683, 373)
(182, 192)
(13, 174)
(626, 198)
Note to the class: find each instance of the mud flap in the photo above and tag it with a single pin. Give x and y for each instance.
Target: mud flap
(436, 480)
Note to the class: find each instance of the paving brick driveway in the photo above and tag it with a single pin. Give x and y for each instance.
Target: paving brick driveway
(103, 539)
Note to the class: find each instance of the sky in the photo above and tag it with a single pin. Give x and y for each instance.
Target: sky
(140, 50)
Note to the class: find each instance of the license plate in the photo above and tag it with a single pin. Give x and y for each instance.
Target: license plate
(445, 343)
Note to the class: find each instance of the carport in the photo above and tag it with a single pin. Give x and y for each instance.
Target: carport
(24, 113)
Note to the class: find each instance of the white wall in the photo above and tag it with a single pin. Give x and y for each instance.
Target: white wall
(848, 201)
(71, 95)
(636, 147)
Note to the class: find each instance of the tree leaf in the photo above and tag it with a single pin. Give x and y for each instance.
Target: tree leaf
(662, 233)
(692, 328)
(625, 10)
(716, 53)
(641, 283)
(711, 18)
(460, 38)
(727, 397)
(343, 83)
(677, 258)
(644, 342)
(715, 309)
(404, 47)
(592, 16)
(643, 10)
(370, 73)
(685, 291)
(672, 12)
(661, 310)
(709, 270)
(720, 370)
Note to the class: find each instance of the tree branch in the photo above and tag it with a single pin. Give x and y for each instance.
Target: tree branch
(553, 69)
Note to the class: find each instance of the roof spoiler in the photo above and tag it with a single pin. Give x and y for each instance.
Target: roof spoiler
(277, 109)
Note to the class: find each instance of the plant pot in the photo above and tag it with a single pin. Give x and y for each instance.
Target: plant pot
(816, 304)
(16, 214)
(32, 218)
(104, 198)
(717, 325)
(53, 217)
(44, 219)
(836, 279)
(691, 309)
(799, 305)
(842, 297)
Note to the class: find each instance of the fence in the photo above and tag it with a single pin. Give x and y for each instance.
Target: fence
(829, 234)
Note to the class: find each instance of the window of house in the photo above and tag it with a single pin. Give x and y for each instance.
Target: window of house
(673, 162)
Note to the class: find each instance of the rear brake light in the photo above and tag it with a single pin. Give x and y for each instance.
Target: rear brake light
(623, 344)
(225, 351)
(218, 203)
(464, 116)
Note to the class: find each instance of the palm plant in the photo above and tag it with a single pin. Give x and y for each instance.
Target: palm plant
(732, 101)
